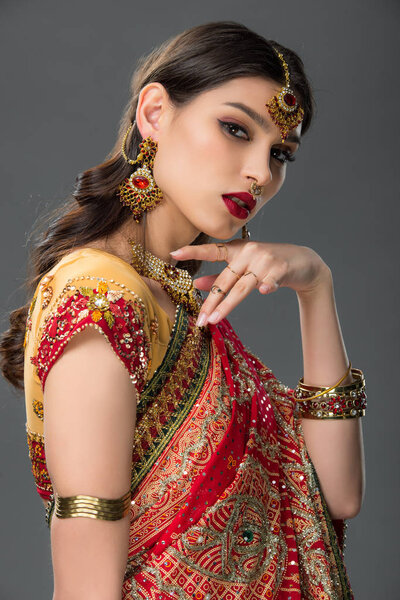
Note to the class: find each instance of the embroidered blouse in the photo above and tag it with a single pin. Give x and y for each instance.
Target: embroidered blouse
(88, 288)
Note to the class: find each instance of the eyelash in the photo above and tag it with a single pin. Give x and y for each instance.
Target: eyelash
(227, 125)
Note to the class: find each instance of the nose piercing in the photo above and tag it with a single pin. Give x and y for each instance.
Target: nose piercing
(255, 189)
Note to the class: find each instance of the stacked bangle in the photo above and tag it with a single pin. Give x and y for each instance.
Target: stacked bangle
(335, 402)
(93, 507)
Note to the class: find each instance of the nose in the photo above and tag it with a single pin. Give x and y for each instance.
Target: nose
(258, 170)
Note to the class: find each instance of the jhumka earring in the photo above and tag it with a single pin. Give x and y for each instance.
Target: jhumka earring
(284, 109)
(139, 191)
(255, 190)
(245, 232)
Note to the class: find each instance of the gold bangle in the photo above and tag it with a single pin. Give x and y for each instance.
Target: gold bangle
(324, 415)
(92, 507)
(301, 386)
(303, 393)
(345, 402)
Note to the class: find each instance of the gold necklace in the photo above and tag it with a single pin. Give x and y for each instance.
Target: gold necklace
(177, 282)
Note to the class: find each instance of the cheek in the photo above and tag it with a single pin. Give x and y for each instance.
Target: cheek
(279, 175)
(192, 159)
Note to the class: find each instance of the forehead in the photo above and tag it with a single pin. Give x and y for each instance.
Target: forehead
(253, 92)
(257, 90)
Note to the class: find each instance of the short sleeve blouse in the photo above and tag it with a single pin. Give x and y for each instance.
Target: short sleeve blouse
(88, 288)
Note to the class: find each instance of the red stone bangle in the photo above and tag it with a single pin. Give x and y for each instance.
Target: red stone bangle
(335, 407)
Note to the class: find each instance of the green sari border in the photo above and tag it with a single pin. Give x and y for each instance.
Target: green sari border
(158, 445)
(153, 386)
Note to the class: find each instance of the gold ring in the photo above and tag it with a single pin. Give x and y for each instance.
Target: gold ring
(217, 290)
(230, 268)
(221, 245)
(251, 273)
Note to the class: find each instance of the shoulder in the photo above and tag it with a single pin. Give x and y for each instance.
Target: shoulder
(92, 265)
(89, 287)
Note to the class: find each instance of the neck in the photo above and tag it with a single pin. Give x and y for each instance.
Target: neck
(165, 229)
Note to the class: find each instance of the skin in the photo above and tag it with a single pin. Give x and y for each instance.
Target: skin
(196, 162)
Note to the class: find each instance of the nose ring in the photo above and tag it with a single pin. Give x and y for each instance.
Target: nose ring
(255, 189)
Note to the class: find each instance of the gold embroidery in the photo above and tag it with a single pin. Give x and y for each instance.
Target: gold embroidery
(28, 326)
(37, 437)
(100, 304)
(47, 290)
(170, 395)
(38, 408)
(154, 326)
(236, 540)
(242, 381)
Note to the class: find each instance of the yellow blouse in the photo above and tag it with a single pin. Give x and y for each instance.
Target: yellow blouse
(88, 287)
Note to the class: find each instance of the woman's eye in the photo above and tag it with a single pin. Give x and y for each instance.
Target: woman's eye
(282, 156)
(233, 128)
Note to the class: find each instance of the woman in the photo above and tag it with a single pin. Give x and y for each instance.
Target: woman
(237, 486)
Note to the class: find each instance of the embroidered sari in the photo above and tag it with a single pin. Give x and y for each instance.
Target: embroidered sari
(225, 501)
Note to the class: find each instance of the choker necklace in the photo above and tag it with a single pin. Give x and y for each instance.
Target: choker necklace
(177, 282)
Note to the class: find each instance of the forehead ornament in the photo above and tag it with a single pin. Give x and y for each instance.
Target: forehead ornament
(284, 109)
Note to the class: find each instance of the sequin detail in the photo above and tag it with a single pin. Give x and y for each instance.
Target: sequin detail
(46, 290)
(120, 319)
(38, 463)
(258, 529)
(28, 325)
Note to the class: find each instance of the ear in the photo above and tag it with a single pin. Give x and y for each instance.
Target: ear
(153, 105)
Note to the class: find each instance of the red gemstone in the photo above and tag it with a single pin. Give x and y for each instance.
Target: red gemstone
(140, 182)
(289, 99)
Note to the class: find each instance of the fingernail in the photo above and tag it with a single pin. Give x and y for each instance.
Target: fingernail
(264, 288)
(214, 317)
(176, 252)
(201, 319)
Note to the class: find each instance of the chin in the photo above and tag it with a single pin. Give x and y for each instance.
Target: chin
(224, 231)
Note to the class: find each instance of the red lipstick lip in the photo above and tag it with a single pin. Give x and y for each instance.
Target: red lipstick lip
(245, 197)
(235, 209)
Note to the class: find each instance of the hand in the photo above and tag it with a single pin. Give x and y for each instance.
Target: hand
(260, 265)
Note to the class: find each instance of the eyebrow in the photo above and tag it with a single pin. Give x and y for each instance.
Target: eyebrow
(259, 119)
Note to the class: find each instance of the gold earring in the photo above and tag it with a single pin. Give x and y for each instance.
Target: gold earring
(245, 232)
(139, 191)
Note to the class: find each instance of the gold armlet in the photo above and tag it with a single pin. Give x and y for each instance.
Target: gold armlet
(336, 402)
(93, 507)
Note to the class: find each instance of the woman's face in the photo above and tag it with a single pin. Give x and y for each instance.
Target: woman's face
(209, 148)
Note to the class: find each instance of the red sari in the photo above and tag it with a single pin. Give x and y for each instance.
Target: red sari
(226, 502)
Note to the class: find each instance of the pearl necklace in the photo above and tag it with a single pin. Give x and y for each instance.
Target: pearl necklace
(177, 282)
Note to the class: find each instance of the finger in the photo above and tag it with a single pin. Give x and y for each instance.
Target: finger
(219, 288)
(241, 288)
(228, 290)
(205, 282)
(272, 281)
(211, 252)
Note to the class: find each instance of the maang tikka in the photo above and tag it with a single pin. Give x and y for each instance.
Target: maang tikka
(139, 191)
(284, 109)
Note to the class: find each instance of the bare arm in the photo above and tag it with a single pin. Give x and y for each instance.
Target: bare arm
(335, 446)
(90, 414)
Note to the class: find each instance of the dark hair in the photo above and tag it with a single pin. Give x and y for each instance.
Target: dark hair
(194, 61)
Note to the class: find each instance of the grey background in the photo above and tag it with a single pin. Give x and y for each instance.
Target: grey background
(65, 74)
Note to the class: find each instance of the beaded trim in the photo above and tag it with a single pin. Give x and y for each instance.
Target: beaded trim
(177, 282)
